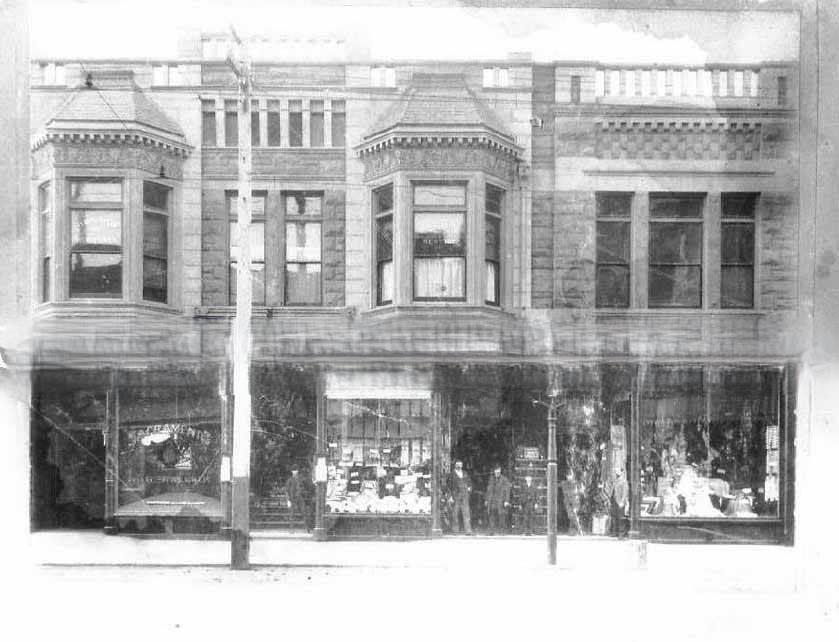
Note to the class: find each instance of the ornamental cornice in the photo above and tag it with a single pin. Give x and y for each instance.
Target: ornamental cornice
(133, 138)
(440, 137)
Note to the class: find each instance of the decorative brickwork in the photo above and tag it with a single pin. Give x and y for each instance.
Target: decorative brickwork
(682, 140)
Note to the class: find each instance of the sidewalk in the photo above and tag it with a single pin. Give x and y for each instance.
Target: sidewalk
(715, 567)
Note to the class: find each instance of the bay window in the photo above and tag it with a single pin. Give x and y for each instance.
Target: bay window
(46, 238)
(675, 250)
(383, 214)
(96, 238)
(256, 240)
(303, 249)
(439, 242)
(493, 204)
(156, 203)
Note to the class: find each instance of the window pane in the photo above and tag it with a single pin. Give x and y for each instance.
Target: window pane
(738, 205)
(612, 242)
(440, 195)
(738, 243)
(46, 266)
(384, 238)
(231, 123)
(575, 89)
(384, 282)
(154, 279)
(675, 286)
(439, 234)
(257, 242)
(493, 282)
(440, 278)
(155, 195)
(737, 287)
(613, 204)
(302, 241)
(299, 205)
(675, 243)
(295, 123)
(96, 191)
(208, 129)
(96, 275)
(302, 284)
(675, 206)
(493, 238)
(257, 284)
(612, 286)
(383, 199)
(494, 199)
(155, 235)
(96, 230)
(255, 125)
(339, 129)
(274, 128)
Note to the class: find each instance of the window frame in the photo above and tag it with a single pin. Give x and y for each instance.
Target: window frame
(463, 210)
(46, 236)
(231, 123)
(499, 218)
(320, 220)
(338, 107)
(209, 135)
(317, 122)
(83, 205)
(623, 220)
(295, 130)
(674, 220)
(379, 216)
(273, 119)
(231, 196)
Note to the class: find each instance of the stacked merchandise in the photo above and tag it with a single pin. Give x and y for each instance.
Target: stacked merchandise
(376, 489)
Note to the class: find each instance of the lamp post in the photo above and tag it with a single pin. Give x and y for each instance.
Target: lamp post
(553, 393)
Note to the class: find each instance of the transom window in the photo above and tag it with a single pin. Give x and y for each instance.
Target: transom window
(156, 207)
(675, 251)
(256, 239)
(303, 212)
(96, 238)
(613, 249)
(439, 241)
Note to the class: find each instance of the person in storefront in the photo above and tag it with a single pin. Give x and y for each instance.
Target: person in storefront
(460, 487)
(296, 500)
(497, 501)
(571, 501)
(619, 501)
(529, 498)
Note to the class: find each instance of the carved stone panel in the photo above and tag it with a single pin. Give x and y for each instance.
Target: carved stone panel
(386, 161)
(119, 157)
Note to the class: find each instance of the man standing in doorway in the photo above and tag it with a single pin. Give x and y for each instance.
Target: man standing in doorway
(529, 498)
(497, 501)
(460, 488)
(294, 493)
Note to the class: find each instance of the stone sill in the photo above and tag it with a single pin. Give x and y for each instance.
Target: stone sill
(101, 308)
(680, 312)
(389, 311)
(275, 148)
(267, 312)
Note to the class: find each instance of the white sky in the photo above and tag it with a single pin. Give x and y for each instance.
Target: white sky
(149, 29)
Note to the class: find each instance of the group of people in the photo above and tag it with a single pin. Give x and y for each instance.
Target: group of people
(497, 501)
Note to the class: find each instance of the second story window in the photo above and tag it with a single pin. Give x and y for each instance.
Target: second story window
(675, 250)
(575, 89)
(613, 249)
(303, 248)
(737, 269)
(256, 239)
(96, 238)
(255, 138)
(494, 207)
(383, 214)
(316, 123)
(439, 241)
(274, 117)
(339, 123)
(231, 123)
(208, 123)
(156, 204)
(295, 123)
(46, 238)
(782, 91)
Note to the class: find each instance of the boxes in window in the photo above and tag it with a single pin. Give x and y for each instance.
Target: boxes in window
(599, 524)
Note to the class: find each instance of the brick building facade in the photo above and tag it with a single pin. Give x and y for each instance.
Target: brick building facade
(435, 245)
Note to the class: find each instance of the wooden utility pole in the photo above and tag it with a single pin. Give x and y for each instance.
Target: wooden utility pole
(241, 331)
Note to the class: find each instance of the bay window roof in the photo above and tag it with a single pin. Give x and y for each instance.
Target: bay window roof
(439, 108)
(109, 107)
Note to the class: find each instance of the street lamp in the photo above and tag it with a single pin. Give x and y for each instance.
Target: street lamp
(553, 394)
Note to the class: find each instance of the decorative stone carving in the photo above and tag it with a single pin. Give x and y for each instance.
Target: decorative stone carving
(424, 158)
(117, 156)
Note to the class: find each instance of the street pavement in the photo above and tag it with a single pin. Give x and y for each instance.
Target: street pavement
(86, 585)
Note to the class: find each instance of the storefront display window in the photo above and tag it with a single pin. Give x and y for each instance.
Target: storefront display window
(710, 443)
(379, 456)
